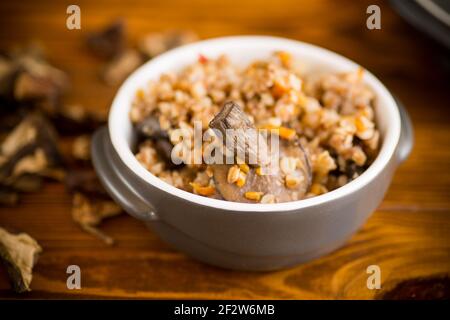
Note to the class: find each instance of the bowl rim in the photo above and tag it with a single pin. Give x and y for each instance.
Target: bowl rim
(129, 86)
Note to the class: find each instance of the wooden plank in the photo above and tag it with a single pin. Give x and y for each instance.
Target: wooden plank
(404, 244)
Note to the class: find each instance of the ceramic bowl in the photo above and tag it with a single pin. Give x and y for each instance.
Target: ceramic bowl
(241, 235)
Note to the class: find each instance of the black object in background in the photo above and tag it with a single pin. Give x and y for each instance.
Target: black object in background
(430, 16)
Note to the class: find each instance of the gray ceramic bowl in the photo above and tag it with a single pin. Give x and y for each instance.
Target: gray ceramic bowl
(238, 235)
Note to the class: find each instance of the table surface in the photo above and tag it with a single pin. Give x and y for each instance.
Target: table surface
(408, 236)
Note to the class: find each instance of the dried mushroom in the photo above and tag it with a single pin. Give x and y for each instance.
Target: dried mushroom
(90, 202)
(29, 87)
(81, 148)
(233, 124)
(37, 83)
(121, 66)
(30, 148)
(75, 120)
(150, 128)
(89, 212)
(27, 155)
(85, 181)
(110, 41)
(288, 180)
(30, 90)
(19, 254)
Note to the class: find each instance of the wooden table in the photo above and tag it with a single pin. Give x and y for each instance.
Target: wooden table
(408, 236)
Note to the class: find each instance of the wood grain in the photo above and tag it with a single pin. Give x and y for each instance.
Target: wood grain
(408, 236)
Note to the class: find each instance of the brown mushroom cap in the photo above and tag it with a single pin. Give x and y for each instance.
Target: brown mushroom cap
(274, 182)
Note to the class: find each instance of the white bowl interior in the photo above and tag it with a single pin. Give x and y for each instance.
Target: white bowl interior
(242, 50)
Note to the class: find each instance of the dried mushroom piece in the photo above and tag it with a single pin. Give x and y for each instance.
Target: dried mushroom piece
(85, 181)
(31, 87)
(74, 120)
(240, 135)
(150, 128)
(110, 41)
(81, 148)
(31, 148)
(156, 43)
(91, 203)
(89, 212)
(121, 66)
(19, 254)
(27, 155)
(287, 180)
(28, 83)
(39, 83)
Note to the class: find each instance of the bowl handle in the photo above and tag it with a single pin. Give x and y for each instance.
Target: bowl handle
(105, 162)
(406, 142)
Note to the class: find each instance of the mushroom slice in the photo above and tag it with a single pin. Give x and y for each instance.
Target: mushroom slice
(272, 182)
(121, 66)
(89, 212)
(30, 148)
(75, 120)
(261, 184)
(19, 254)
(240, 135)
(110, 41)
(85, 181)
(149, 128)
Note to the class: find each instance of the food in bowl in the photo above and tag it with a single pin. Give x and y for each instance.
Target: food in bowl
(325, 124)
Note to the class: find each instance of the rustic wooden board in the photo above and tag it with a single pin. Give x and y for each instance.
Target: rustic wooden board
(408, 236)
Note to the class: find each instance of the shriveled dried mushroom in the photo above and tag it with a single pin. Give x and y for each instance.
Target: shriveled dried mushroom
(89, 212)
(288, 180)
(85, 181)
(91, 203)
(31, 87)
(121, 66)
(149, 128)
(30, 148)
(81, 148)
(27, 155)
(75, 120)
(39, 83)
(244, 139)
(156, 43)
(19, 254)
(110, 41)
